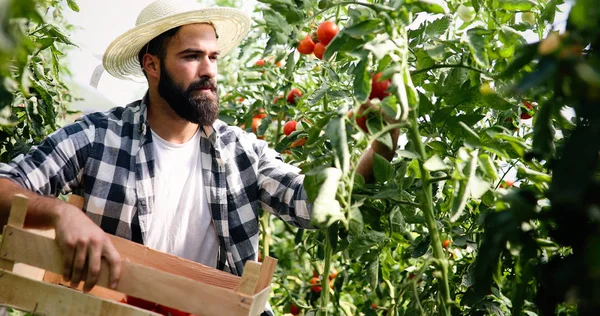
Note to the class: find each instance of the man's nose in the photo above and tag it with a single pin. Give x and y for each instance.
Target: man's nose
(207, 68)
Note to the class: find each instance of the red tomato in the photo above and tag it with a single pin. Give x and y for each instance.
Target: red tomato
(378, 88)
(315, 288)
(319, 50)
(277, 99)
(293, 94)
(294, 310)
(326, 32)
(241, 99)
(507, 184)
(374, 305)
(315, 273)
(168, 311)
(306, 46)
(138, 302)
(260, 63)
(289, 127)
(260, 115)
(446, 243)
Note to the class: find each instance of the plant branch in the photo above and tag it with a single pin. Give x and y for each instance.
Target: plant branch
(439, 66)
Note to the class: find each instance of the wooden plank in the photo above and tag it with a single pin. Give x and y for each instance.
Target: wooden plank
(141, 254)
(48, 299)
(136, 280)
(266, 274)
(28, 271)
(249, 278)
(260, 301)
(16, 217)
(53, 278)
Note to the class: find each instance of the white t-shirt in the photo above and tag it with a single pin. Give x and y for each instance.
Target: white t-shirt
(180, 223)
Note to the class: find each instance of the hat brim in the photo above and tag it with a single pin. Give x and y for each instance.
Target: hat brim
(121, 57)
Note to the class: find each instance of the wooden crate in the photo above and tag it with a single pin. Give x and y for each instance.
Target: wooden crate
(147, 274)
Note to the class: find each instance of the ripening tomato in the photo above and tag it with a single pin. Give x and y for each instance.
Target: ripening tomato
(326, 32)
(293, 94)
(306, 46)
(524, 114)
(168, 311)
(379, 87)
(319, 50)
(260, 63)
(333, 274)
(374, 305)
(294, 309)
(255, 123)
(299, 142)
(289, 127)
(446, 243)
(315, 288)
(141, 303)
(361, 121)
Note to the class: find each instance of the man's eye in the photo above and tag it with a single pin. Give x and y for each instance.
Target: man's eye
(214, 57)
(191, 57)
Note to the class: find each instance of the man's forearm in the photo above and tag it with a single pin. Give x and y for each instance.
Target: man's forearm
(365, 165)
(41, 211)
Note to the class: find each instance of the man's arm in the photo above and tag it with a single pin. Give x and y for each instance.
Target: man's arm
(51, 168)
(80, 240)
(365, 165)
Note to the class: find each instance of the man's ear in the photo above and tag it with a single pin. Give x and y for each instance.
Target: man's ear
(151, 65)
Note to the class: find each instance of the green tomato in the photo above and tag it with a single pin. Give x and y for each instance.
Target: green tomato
(466, 14)
(528, 18)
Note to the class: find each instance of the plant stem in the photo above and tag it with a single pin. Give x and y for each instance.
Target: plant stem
(265, 220)
(439, 66)
(325, 281)
(427, 208)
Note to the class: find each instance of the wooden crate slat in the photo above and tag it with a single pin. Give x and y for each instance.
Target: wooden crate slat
(136, 279)
(249, 278)
(266, 274)
(99, 291)
(16, 217)
(52, 300)
(141, 254)
(260, 301)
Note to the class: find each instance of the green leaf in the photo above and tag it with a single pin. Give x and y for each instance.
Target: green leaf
(431, 6)
(363, 243)
(435, 163)
(397, 220)
(438, 27)
(517, 5)
(368, 27)
(326, 209)
(355, 221)
(373, 272)
(318, 94)
(381, 168)
(362, 80)
(276, 21)
(487, 165)
(73, 5)
(407, 154)
(421, 248)
(525, 54)
(336, 132)
(543, 132)
(477, 42)
(471, 137)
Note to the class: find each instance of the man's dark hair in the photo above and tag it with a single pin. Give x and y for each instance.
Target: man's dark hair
(157, 46)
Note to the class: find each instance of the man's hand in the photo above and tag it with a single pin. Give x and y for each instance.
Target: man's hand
(84, 245)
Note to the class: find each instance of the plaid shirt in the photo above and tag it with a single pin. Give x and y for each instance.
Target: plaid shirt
(108, 158)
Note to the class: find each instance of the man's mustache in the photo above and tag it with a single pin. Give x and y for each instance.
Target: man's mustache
(203, 83)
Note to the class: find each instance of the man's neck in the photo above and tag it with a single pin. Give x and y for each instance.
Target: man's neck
(166, 123)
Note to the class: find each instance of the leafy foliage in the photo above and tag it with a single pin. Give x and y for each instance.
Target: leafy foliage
(33, 99)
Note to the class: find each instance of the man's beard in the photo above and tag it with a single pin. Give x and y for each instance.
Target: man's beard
(190, 104)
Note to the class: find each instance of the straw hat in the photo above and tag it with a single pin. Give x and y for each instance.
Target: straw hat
(121, 56)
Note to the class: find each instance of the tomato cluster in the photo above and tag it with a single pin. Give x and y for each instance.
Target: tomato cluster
(325, 33)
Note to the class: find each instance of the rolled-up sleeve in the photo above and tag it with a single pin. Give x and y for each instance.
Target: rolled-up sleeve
(281, 188)
(55, 165)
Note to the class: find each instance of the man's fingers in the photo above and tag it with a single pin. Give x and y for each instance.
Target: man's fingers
(68, 255)
(113, 258)
(79, 263)
(93, 265)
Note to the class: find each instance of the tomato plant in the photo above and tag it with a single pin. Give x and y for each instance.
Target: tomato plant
(326, 32)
